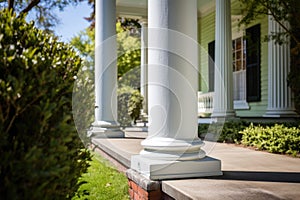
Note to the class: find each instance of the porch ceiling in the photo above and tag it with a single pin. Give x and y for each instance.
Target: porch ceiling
(138, 8)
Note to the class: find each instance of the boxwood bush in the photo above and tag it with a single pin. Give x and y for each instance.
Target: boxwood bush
(42, 156)
(275, 139)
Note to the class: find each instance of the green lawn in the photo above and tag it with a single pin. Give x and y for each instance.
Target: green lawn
(103, 182)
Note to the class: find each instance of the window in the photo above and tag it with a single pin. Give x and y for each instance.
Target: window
(246, 66)
(239, 54)
(239, 68)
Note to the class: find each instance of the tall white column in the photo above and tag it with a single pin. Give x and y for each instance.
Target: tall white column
(223, 99)
(105, 124)
(280, 102)
(172, 148)
(144, 67)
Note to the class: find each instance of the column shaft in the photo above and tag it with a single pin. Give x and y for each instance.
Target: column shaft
(173, 77)
(172, 148)
(280, 102)
(105, 124)
(223, 99)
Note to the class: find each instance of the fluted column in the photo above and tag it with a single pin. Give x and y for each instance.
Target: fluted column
(144, 67)
(105, 124)
(172, 148)
(223, 99)
(280, 102)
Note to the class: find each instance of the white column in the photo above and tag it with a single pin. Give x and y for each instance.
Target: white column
(280, 102)
(105, 124)
(223, 99)
(172, 148)
(144, 67)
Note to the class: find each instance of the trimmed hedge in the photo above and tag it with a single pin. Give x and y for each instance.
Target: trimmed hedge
(229, 131)
(222, 132)
(42, 156)
(274, 139)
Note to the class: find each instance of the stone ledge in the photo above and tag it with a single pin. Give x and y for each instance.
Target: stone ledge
(105, 146)
(164, 170)
(142, 181)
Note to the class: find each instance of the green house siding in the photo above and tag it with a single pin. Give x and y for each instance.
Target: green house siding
(206, 35)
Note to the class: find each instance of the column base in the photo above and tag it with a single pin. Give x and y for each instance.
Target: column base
(281, 113)
(163, 170)
(225, 114)
(136, 129)
(105, 130)
(144, 119)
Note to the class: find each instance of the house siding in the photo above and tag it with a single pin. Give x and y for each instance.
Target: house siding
(206, 27)
(206, 35)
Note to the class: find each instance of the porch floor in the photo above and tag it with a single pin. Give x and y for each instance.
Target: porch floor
(248, 174)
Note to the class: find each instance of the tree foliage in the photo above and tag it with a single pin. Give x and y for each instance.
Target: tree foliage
(84, 43)
(128, 51)
(128, 45)
(282, 11)
(41, 9)
(41, 153)
(128, 63)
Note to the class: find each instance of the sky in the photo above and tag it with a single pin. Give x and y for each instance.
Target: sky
(72, 21)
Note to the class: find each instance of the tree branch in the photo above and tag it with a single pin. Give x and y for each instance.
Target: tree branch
(20, 111)
(281, 24)
(11, 4)
(32, 4)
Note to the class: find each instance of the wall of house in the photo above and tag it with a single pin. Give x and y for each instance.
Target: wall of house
(206, 29)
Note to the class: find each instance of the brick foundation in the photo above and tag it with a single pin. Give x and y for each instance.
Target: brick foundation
(142, 188)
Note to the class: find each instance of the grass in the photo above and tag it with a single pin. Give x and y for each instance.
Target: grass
(103, 182)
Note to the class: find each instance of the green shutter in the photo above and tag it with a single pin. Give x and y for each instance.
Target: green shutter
(211, 65)
(253, 79)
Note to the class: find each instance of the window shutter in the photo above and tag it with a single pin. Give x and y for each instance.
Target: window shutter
(253, 78)
(211, 66)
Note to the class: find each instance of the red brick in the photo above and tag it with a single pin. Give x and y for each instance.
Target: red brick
(138, 193)
(131, 193)
(134, 186)
(136, 196)
(143, 193)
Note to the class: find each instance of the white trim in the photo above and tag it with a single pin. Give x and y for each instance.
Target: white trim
(241, 105)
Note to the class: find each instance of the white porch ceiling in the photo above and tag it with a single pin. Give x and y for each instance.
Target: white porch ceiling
(138, 8)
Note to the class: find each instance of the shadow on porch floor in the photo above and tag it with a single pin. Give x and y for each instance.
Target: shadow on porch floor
(248, 174)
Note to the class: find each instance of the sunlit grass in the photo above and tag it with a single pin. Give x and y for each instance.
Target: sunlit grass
(103, 182)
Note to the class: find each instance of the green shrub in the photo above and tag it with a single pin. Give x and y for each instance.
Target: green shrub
(41, 153)
(130, 103)
(223, 132)
(275, 139)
